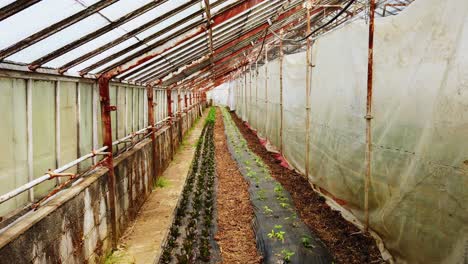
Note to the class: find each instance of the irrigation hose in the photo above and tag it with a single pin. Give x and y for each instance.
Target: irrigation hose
(329, 22)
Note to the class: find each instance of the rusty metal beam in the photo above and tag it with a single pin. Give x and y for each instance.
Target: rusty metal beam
(16, 7)
(225, 27)
(93, 35)
(106, 108)
(210, 29)
(368, 117)
(152, 131)
(138, 54)
(246, 39)
(132, 33)
(127, 64)
(54, 28)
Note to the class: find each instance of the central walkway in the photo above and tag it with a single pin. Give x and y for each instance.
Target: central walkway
(143, 239)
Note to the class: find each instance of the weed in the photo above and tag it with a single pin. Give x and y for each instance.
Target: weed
(161, 182)
(284, 205)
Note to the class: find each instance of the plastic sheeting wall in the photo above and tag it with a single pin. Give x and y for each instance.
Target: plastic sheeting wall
(419, 184)
(75, 101)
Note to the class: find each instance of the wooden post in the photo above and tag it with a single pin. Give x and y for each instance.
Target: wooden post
(308, 86)
(368, 116)
(106, 108)
(281, 89)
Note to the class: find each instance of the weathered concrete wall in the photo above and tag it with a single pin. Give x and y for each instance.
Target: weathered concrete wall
(74, 226)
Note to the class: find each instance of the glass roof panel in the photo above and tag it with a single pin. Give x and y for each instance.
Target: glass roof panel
(90, 46)
(34, 19)
(4, 3)
(121, 8)
(59, 39)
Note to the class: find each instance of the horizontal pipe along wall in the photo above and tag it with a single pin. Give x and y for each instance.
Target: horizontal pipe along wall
(417, 190)
(50, 121)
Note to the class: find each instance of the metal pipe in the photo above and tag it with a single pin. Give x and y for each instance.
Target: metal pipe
(266, 91)
(368, 117)
(30, 145)
(308, 84)
(45, 177)
(281, 89)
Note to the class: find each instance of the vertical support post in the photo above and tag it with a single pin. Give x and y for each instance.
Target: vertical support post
(281, 88)
(169, 113)
(256, 95)
(106, 108)
(149, 96)
(57, 129)
(78, 122)
(244, 111)
(95, 120)
(266, 91)
(368, 117)
(169, 102)
(29, 123)
(308, 84)
(185, 100)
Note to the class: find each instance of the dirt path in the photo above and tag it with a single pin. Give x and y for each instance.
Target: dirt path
(142, 241)
(344, 241)
(235, 235)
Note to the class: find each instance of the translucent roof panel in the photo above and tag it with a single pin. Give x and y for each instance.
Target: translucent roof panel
(35, 18)
(60, 39)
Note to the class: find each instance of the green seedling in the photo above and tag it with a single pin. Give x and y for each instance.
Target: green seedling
(247, 162)
(284, 205)
(248, 168)
(267, 210)
(251, 174)
(278, 234)
(282, 199)
(261, 195)
(306, 242)
(287, 255)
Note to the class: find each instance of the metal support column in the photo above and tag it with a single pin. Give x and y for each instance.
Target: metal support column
(149, 96)
(308, 86)
(368, 117)
(106, 109)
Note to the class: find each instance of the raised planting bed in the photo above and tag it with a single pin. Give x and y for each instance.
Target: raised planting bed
(281, 235)
(191, 237)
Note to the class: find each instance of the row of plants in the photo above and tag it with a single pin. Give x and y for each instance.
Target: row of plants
(284, 233)
(190, 235)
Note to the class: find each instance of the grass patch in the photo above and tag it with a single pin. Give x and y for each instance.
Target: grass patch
(161, 182)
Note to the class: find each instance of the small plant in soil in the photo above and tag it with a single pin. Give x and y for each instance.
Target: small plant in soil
(284, 205)
(306, 242)
(277, 233)
(267, 210)
(287, 255)
(261, 195)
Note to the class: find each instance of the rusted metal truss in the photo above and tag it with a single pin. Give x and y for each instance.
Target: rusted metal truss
(198, 49)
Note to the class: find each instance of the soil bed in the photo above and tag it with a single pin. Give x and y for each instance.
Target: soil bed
(190, 239)
(345, 241)
(235, 235)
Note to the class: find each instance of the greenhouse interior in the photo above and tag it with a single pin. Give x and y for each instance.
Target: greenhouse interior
(234, 131)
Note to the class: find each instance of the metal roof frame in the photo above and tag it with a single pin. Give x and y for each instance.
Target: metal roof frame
(207, 42)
